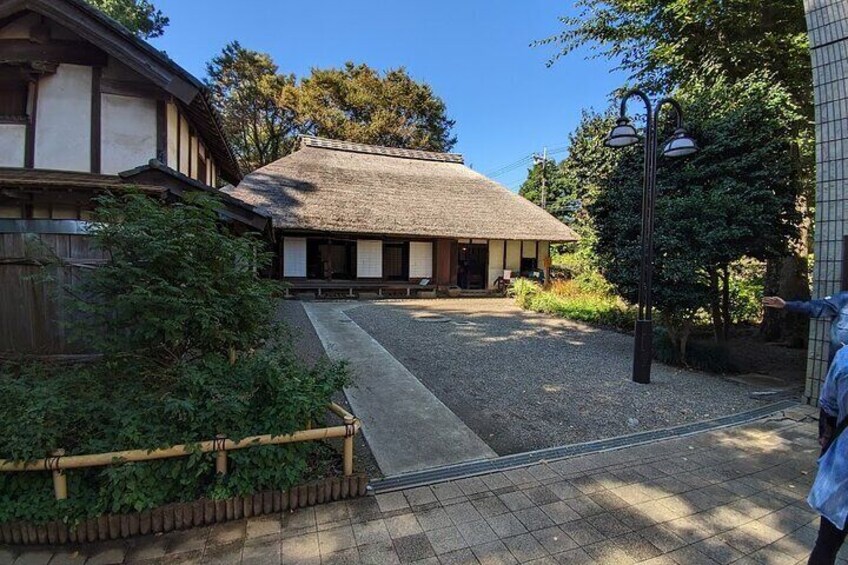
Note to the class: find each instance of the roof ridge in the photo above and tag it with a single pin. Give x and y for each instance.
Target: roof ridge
(420, 154)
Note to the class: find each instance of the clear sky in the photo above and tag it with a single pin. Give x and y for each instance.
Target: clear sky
(474, 53)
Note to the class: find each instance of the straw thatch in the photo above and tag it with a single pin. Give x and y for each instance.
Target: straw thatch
(335, 186)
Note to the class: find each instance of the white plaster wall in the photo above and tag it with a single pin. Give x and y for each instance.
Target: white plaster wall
(193, 157)
(127, 132)
(528, 249)
(369, 258)
(294, 257)
(12, 145)
(63, 120)
(544, 253)
(496, 259)
(420, 259)
(513, 256)
(173, 117)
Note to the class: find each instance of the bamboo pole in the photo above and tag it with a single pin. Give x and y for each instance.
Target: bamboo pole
(58, 463)
(221, 457)
(350, 426)
(60, 481)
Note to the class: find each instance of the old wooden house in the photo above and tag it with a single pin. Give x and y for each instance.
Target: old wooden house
(352, 217)
(87, 107)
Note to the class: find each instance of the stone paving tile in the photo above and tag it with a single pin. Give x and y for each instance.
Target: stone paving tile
(525, 548)
(413, 548)
(403, 525)
(493, 553)
(446, 540)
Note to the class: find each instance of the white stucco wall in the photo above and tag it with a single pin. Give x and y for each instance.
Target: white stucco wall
(128, 132)
(294, 257)
(369, 258)
(172, 118)
(513, 256)
(420, 259)
(496, 259)
(528, 249)
(12, 145)
(63, 120)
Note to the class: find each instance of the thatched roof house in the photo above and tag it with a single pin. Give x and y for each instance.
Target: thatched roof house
(352, 211)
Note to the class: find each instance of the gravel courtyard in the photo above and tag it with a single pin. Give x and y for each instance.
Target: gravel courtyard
(525, 381)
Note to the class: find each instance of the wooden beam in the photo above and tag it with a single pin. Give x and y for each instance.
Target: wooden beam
(56, 52)
(96, 73)
(29, 143)
(162, 132)
(132, 88)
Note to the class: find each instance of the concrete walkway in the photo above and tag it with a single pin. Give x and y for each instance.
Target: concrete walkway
(728, 496)
(406, 426)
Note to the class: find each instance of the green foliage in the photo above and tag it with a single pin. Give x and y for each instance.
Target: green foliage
(523, 291)
(357, 103)
(92, 409)
(572, 300)
(558, 197)
(177, 285)
(245, 87)
(734, 199)
(139, 16)
(746, 291)
(662, 44)
(184, 323)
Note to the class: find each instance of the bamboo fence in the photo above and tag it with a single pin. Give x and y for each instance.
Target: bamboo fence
(58, 462)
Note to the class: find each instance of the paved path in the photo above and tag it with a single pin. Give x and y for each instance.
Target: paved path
(407, 427)
(728, 496)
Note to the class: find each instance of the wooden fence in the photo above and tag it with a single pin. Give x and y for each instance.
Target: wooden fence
(32, 303)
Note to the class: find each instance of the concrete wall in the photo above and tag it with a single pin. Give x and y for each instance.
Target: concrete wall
(12, 143)
(827, 24)
(128, 132)
(63, 120)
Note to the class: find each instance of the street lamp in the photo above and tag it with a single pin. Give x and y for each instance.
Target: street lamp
(623, 134)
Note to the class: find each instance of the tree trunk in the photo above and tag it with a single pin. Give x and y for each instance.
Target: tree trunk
(715, 306)
(786, 277)
(725, 301)
(685, 330)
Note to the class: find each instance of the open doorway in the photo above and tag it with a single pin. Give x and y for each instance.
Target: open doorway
(473, 265)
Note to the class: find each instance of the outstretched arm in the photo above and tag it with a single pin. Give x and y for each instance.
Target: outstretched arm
(824, 308)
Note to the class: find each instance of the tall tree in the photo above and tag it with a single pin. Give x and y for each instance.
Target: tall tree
(246, 86)
(559, 198)
(734, 199)
(662, 44)
(139, 16)
(357, 103)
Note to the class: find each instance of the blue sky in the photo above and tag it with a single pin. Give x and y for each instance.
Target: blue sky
(475, 54)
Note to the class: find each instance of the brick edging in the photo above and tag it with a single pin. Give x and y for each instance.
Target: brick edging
(183, 515)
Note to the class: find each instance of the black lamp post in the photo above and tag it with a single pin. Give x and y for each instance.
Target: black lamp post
(623, 134)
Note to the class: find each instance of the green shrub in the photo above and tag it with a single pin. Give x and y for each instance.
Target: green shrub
(571, 300)
(523, 290)
(189, 351)
(90, 409)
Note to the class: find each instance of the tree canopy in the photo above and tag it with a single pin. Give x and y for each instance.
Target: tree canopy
(662, 44)
(246, 87)
(358, 103)
(139, 16)
(734, 199)
(559, 194)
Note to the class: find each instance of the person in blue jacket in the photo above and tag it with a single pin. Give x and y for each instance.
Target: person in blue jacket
(833, 307)
(829, 495)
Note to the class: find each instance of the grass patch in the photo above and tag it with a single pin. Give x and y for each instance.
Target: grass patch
(572, 300)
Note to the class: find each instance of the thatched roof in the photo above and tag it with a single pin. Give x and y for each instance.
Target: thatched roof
(336, 186)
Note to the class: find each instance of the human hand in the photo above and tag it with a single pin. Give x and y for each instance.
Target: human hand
(774, 302)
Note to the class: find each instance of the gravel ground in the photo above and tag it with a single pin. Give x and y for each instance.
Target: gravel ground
(309, 349)
(525, 381)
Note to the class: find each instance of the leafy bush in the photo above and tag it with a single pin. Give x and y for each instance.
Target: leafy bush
(189, 351)
(571, 300)
(523, 290)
